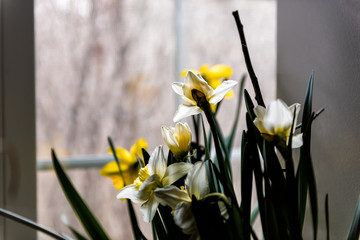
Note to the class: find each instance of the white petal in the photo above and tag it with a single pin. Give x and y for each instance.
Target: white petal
(178, 88)
(223, 210)
(184, 218)
(197, 182)
(193, 81)
(148, 209)
(171, 196)
(277, 117)
(185, 111)
(146, 189)
(129, 192)
(175, 171)
(297, 141)
(260, 112)
(292, 108)
(183, 133)
(220, 92)
(168, 136)
(157, 162)
(260, 125)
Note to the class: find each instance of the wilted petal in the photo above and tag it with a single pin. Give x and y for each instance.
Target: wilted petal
(184, 218)
(197, 182)
(175, 171)
(185, 111)
(220, 92)
(297, 141)
(171, 196)
(157, 162)
(129, 192)
(148, 209)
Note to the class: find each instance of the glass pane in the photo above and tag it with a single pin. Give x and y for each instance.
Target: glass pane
(105, 68)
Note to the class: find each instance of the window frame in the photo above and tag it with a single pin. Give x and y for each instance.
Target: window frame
(17, 116)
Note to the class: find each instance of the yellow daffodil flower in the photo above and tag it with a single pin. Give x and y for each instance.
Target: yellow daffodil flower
(154, 176)
(196, 82)
(274, 123)
(129, 165)
(178, 139)
(196, 184)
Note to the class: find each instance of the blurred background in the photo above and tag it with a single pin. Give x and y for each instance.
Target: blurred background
(105, 68)
(73, 73)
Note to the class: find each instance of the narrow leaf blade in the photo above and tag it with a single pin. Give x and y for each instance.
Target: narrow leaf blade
(87, 219)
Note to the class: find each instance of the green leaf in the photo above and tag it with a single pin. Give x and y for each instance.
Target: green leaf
(138, 235)
(27, 222)
(256, 166)
(146, 156)
(210, 223)
(249, 105)
(87, 219)
(230, 138)
(305, 174)
(307, 112)
(159, 227)
(327, 217)
(174, 232)
(207, 151)
(210, 175)
(224, 149)
(354, 232)
(254, 214)
(78, 235)
(155, 237)
(134, 224)
(246, 184)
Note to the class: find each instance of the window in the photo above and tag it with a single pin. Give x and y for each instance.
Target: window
(105, 68)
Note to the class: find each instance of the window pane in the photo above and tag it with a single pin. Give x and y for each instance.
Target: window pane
(105, 68)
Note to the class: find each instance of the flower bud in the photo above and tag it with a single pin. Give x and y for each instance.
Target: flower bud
(178, 139)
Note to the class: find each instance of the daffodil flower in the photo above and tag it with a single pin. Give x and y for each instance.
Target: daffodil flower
(178, 139)
(196, 82)
(196, 184)
(215, 74)
(274, 123)
(129, 165)
(155, 175)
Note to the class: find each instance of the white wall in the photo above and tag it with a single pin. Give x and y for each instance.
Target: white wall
(324, 36)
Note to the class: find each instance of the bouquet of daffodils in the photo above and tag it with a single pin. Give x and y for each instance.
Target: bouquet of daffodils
(188, 192)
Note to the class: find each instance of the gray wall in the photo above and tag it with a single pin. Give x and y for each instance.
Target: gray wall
(17, 117)
(324, 36)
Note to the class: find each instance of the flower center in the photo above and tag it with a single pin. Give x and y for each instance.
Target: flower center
(143, 175)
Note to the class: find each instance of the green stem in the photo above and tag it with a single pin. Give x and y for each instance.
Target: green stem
(202, 102)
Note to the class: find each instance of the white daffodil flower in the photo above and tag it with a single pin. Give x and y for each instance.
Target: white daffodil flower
(193, 81)
(196, 184)
(274, 123)
(155, 175)
(178, 139)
